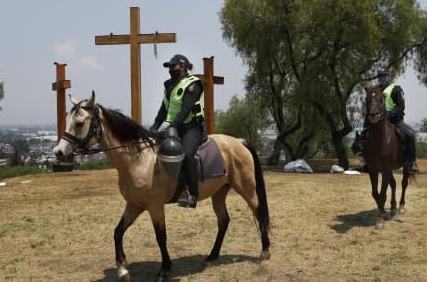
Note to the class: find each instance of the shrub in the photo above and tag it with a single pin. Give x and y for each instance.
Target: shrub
(95, 165)
(14, 171)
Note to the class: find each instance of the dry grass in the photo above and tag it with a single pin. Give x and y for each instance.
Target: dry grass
(59, 227)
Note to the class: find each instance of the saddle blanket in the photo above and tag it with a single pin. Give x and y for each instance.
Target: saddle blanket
(211, 163)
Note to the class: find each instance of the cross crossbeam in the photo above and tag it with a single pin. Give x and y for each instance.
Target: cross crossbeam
(209, 80)
(134, 39)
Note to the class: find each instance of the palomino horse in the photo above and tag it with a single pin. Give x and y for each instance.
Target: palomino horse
(146, 186)
(384, 152)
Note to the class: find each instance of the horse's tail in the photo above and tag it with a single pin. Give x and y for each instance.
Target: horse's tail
(262, 212)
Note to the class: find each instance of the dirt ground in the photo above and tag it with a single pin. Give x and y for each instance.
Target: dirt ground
(59, 227)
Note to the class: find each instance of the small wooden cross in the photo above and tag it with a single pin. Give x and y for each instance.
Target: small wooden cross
(134, 39)
(209, 79)
(59, 86)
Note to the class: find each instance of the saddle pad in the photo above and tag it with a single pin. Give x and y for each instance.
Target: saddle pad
(210, 164)
(211, 161)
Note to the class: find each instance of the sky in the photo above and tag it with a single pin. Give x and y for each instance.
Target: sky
(36, 34)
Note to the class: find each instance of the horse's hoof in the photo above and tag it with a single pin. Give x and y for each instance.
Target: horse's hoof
(402, 210)
(379, 224)
(124, 275)
(162, 276)
(265, 255)
(209, 263)
(393, 212)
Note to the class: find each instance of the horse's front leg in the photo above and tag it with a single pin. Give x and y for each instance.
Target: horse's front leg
(373, 177)
(405, 182)
(158, 218)
(382, 199)
(393, 205)
(129, 215)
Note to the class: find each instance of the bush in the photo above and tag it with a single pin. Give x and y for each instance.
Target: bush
(421, 150)
(95, 165)
(14, 171)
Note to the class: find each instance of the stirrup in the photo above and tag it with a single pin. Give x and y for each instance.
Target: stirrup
(190, 202)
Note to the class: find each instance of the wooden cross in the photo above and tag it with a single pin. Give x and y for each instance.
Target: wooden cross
(134, 39)
(59, 86)
(209, 79)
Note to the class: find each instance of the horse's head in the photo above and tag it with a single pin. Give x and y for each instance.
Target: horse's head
(83, 129)
(375, 104)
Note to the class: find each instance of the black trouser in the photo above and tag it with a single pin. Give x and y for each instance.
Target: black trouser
(409, 139)
(191, 139)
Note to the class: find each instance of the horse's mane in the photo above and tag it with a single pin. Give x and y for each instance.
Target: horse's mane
(126, 129)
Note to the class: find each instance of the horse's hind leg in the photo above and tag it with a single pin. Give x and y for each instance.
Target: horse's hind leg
(393, 206)
(223, 219)
(404, 186)
(129, 215)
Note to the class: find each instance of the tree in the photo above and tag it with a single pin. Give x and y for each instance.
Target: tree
(311, 56)
(423, 127)
(1, 91)
(21, 148)
(243, 119)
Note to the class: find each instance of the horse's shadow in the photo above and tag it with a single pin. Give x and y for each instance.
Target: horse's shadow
(348, 221)
(184, 266)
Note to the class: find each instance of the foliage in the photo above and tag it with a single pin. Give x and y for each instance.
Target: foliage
(243, 119)
(22, 148)
(307, 58)
(95, 165)
(1, 92)
(423, 127)
(15, 171)
(421, 150)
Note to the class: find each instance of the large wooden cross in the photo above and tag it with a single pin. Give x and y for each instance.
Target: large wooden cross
(135, 39)
(59, 86)
(209, 79)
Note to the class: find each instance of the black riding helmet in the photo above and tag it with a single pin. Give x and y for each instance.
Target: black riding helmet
(383, 71)
(178, 59)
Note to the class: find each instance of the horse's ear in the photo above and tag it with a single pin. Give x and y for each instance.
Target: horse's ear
(91, 101)
(73, 100)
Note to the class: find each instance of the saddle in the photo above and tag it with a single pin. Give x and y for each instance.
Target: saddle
(210, 163)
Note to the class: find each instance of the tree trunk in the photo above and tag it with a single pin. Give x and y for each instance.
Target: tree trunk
(337, 140)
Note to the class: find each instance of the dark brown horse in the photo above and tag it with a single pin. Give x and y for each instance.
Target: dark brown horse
(146, 186)
(384, 152)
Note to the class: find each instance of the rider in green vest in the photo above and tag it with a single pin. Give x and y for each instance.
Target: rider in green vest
(182, 108)
(395, 112)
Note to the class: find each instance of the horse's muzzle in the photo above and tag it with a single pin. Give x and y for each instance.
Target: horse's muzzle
(373, 118)
(60, 156)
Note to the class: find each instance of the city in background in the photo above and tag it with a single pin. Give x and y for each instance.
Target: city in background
(32, 145)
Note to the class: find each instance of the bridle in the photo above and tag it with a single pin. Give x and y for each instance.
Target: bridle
(377, 104)
(94, 131)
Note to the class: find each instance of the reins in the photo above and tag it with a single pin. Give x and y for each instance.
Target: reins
(95, 131)
(99, 150)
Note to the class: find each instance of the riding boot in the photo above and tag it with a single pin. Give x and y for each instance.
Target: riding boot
(190, 168)
(412, 154)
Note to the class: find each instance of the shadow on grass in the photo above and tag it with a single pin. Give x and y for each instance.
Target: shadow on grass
(147, 270)
(361, 219)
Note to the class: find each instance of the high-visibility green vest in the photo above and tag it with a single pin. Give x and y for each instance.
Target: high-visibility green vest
(174, 104)
(389, 104)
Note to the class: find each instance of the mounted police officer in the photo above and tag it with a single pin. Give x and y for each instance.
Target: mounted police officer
(395, 112)
(182, 107)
